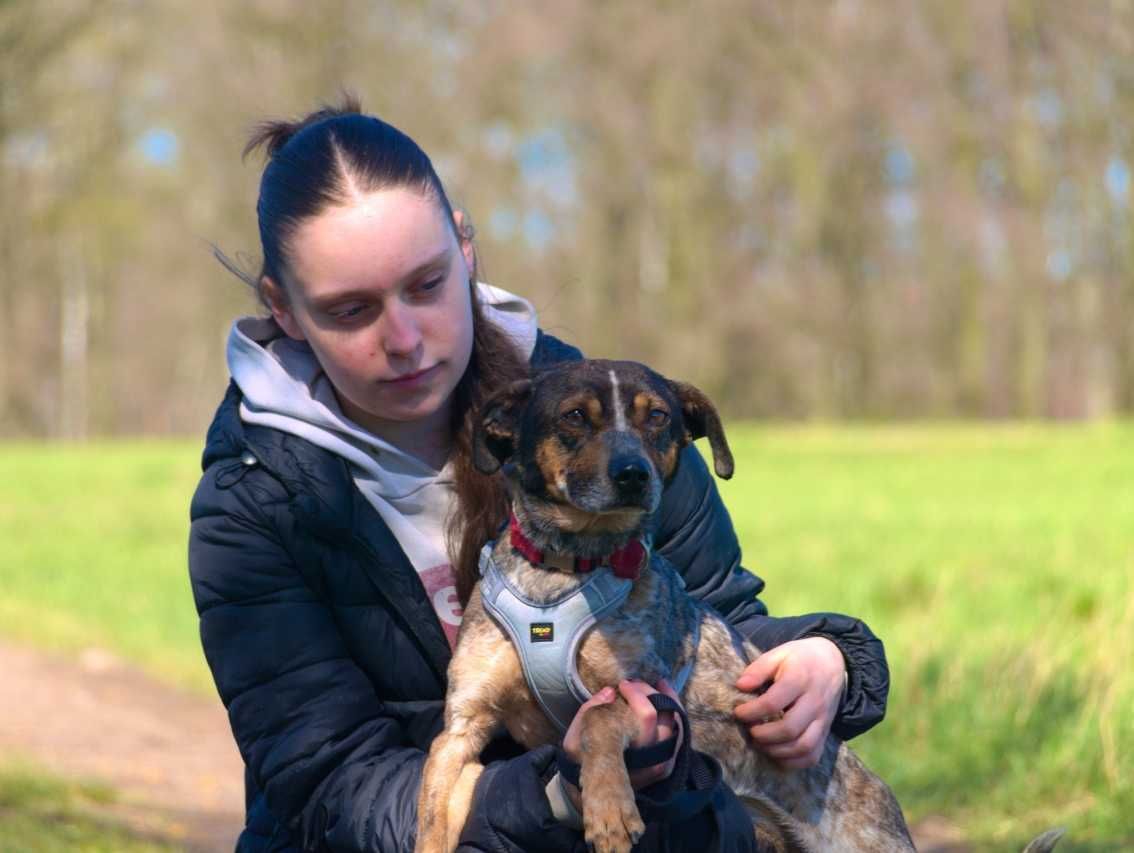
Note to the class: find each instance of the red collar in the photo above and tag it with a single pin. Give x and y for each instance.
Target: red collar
(627, 562)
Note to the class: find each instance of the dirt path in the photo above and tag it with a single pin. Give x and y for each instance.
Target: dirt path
(167, 753)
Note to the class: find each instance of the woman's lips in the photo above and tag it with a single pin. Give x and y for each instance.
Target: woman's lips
(411, 379)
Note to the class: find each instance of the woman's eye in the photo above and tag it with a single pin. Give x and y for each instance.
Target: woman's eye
(432, 286)
(348, 313)
(575, 417)
(658, 417)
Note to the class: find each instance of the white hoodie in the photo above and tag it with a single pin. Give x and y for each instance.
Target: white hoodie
(285, 388)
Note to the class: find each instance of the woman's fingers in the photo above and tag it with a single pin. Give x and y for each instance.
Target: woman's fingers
(762, 670)
(667, 688)
(636, 694)
(803, 751)
(771, 704)
(788, 728)
(653, 727)
(796, 741)
(572, 738)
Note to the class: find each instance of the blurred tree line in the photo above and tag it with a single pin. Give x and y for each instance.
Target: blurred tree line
(814, 209)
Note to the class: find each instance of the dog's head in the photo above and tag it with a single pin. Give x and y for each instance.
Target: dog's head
(589, 445)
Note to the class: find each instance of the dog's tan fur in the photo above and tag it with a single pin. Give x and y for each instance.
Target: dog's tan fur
(561, 494)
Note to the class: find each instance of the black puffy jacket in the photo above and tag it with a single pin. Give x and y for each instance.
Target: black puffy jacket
(331, 661)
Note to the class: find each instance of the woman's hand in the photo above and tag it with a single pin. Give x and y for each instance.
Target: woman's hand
(652, 728)
(791, 719)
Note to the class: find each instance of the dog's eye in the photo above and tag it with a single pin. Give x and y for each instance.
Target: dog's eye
(658, 417)
(575, 417)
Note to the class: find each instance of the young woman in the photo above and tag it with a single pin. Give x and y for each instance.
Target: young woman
(337, 471)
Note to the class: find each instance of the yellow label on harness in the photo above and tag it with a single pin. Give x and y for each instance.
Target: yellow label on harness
(542, 632)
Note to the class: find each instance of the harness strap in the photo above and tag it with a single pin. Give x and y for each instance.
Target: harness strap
(547, 635)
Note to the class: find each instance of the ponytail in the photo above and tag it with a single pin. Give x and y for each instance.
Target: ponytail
(273, 134)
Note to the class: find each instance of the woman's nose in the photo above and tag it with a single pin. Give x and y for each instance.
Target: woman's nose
(400, 332)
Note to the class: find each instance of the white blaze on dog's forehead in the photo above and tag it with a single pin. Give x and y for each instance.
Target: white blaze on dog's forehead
(616, 402)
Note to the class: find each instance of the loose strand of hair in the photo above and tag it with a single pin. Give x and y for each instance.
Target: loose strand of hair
(234, 267)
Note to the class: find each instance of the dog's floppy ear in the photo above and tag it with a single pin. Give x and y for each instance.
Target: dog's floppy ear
(701, 419)
(494, 431)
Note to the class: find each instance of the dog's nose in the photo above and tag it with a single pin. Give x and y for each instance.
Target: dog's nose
(629, 474)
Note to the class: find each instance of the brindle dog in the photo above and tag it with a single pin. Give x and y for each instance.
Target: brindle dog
(586, 448)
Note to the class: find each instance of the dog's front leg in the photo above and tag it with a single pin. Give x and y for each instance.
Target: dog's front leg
(611, 822)
(448, 781)
(483, 672)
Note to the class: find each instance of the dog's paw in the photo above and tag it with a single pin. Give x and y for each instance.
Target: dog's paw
(612, 825)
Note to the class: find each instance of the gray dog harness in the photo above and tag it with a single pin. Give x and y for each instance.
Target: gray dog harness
(547, 635)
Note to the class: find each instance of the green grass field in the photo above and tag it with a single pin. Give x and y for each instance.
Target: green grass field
(94, 551)
(42, 814)
(995, 562)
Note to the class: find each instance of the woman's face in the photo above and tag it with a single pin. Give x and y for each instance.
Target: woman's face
(379, 289)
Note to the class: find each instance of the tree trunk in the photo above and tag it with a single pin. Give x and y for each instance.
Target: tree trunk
(73, 343)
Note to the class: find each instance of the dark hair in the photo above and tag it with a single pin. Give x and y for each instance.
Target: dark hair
(325, 160)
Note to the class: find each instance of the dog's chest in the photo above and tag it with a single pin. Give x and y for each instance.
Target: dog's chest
(632, 642)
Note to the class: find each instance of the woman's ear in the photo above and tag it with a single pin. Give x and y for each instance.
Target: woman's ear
(465, 239)
(276, 298)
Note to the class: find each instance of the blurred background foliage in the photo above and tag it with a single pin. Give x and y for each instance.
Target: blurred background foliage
(815, 210)
(821, 211)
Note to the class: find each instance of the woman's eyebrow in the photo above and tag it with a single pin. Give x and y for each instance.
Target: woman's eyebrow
(326, 300)
(437, 260)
